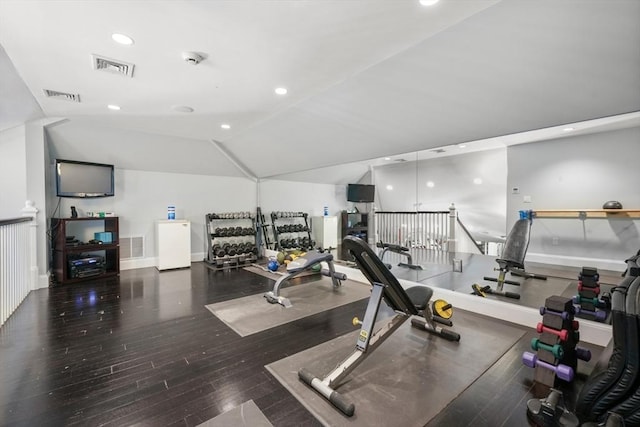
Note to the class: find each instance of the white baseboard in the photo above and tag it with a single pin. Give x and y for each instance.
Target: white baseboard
(569, 261)
(131, 264)
(43, 281)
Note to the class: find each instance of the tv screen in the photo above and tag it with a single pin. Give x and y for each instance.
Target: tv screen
(83, 179)
(361, 193)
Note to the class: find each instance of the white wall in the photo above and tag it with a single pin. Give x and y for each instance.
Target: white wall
(580, 172)
(276, 195)
(481, 207)
(142, 197)
(13, 172)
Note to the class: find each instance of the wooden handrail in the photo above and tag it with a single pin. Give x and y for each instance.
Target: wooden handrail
(14, 220)
(587, 213)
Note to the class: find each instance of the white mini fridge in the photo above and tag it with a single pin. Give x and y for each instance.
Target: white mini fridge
(173, 244)
(325, 231)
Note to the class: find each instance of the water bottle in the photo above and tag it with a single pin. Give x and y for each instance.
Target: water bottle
(171, 212)
(326, 211)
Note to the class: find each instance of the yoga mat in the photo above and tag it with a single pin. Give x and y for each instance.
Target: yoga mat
(252, 314)
(246, 415)
(408, 380)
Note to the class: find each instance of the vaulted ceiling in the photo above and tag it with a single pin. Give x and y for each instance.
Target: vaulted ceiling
(365, 78)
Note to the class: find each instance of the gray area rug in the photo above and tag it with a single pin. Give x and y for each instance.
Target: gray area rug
(246, 415)
(409, 379)
(252, 314)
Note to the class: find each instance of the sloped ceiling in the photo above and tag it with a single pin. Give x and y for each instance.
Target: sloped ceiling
(365, 78)
(17, 105)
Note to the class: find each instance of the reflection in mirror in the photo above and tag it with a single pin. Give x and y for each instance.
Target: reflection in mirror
(489, 185)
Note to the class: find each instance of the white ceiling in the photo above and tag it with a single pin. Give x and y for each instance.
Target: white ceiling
(366, 78)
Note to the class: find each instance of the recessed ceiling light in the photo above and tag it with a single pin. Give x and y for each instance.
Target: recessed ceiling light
(182, 109)
(389, 187)
(430, 184)
(569, 129)
(387, 158)
(122, 39)
(428, 2)
(281, 91)
(225, 126)
(113, 107)
(477, 181)
(462, 146)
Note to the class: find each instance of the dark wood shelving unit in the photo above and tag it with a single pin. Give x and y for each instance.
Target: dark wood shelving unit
(63, 251)
(353, 224)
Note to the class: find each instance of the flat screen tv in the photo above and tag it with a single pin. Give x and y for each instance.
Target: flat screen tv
(83, 179)
(362, 193)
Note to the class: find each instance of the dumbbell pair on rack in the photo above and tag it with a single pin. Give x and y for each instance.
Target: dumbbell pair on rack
(233, 231)
(230, 215)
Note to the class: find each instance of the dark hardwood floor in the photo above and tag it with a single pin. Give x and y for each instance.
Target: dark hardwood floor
(142, 349)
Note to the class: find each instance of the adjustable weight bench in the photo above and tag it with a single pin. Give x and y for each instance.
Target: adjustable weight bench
(400, 250)
(300, 265)
(412, 302)
(512, 261)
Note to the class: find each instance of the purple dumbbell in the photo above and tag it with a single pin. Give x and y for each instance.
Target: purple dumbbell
(583, 354)
(563, 314)
(563, 372)
(598, 314)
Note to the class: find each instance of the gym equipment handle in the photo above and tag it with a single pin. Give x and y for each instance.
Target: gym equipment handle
(339, 401)
(339, 276)
(392, 247)
(450, 335)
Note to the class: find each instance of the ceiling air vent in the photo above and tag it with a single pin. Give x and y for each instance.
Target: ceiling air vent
(73, 97)
(438, 151)
(111, 65)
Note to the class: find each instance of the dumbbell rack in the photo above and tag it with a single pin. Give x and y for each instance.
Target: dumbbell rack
(556, 354)
(291, 230)
(231, 240)
(588, 303)
(264, 228)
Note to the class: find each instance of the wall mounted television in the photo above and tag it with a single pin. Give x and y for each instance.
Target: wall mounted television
(361, 193)
(83, 179)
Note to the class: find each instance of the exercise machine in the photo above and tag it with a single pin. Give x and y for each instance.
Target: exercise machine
(406, 304)
(512, 261)
(400, 250)
(300, 265)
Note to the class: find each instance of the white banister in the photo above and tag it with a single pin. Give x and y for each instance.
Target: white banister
(31, 211)
(18, 258)
(429, 230)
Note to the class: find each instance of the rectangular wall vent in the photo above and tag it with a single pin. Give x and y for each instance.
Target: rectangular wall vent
(112, 66)
(132, 247)
(73, 97)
